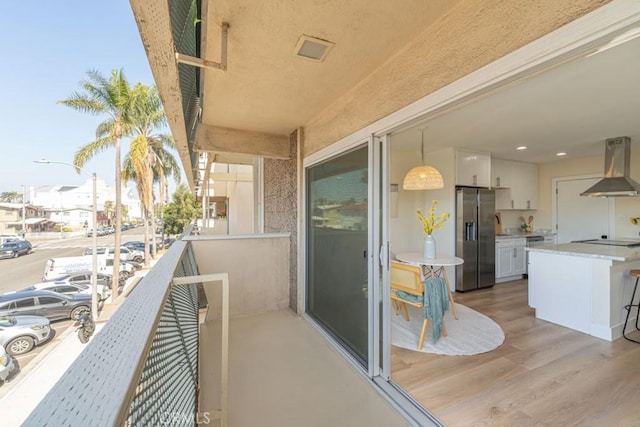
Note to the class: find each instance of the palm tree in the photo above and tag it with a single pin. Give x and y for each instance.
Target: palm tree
(148, 158)
(110, 97)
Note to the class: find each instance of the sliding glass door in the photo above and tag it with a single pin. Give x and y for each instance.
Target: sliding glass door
(337, 218)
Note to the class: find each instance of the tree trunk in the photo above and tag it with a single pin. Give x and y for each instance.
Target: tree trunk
(145, 218)
(116, 243)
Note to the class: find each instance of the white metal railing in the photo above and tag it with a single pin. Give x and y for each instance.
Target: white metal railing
(223, 279)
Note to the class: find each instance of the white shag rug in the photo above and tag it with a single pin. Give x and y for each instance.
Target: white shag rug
(471, 333)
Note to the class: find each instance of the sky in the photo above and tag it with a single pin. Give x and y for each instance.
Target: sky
(47, 47)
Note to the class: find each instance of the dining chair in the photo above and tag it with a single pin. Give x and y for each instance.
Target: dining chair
(407, 288)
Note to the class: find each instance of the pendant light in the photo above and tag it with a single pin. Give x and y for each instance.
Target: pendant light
(423, 177)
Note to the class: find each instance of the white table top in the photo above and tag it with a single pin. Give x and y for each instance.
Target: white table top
(440, 260)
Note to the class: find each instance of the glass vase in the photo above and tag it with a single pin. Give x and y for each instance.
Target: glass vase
(429, 250)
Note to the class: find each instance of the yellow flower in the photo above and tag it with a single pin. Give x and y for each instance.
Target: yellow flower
(432, 221)
(634, 221)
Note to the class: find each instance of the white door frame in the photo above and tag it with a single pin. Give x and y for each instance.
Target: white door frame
(554, 201)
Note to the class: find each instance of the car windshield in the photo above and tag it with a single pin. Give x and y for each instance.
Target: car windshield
(7, 321)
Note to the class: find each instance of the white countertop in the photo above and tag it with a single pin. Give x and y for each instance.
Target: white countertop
(614, 253)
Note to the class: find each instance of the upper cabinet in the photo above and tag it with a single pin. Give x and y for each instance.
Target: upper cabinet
(516, 184)
(501, 173)
(473, 168)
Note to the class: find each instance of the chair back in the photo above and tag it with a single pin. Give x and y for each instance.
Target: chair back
(406, 278)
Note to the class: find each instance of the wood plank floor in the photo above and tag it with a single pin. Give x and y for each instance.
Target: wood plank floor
(542, 375)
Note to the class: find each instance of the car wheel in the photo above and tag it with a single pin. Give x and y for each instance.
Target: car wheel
(20, 345)
(78, 311)
(138, 259)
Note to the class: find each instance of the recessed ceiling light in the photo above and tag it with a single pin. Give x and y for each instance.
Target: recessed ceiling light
(522, 147)
(561, 154)
(313, 48)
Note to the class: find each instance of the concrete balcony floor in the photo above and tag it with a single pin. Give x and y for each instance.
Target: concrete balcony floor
(282, 372)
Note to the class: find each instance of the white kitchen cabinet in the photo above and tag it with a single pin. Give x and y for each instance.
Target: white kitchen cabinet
(519, 257)
(501, 173)
(522, 190)
(473, 169)
(525, 188)
(511, 258)
(504, 260)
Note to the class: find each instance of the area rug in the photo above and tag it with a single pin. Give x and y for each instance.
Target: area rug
(472, 333)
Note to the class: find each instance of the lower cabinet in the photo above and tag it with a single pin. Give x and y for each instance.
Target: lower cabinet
(511, 258)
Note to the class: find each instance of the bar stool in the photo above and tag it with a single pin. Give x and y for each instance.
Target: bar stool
(636, 274)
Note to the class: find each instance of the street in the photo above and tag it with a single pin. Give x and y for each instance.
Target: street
(25, 270)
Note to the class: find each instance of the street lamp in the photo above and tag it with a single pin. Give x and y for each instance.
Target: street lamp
(94, 252)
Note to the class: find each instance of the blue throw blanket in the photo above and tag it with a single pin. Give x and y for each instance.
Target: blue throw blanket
(435, 301)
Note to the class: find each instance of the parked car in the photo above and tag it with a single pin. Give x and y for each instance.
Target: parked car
(126, 269)
(5, 238)
(19, 334)
(52, 305)
(84, 277)
(137, 245)
(7, 365)
(67, 288)
(15, 248)
(126, 254)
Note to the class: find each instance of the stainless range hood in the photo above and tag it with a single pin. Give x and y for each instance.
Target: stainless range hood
(616, 181)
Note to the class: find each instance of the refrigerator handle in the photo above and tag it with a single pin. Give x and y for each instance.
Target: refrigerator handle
(469, 231)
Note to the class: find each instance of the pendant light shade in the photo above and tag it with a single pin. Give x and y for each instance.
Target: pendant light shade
(423, 177)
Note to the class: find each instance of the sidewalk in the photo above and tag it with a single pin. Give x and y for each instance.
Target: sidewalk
(24, 394)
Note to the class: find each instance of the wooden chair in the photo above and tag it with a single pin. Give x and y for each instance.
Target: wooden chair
(408, 278)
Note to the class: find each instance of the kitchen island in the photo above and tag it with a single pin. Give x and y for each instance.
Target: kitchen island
(582, 286)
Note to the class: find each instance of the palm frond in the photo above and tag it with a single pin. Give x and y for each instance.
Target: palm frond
(87, 152)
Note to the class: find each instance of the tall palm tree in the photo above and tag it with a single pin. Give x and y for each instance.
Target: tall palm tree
(111, 97)
(148, 155)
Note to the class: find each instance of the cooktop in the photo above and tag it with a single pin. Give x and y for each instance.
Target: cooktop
(624, 243)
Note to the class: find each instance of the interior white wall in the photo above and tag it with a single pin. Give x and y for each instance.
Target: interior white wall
(405, 230)
(241, 201)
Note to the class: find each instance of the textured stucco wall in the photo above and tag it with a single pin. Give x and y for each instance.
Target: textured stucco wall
(475, 33)
(280, 207)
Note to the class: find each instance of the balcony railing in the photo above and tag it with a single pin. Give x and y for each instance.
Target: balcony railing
(142, 368)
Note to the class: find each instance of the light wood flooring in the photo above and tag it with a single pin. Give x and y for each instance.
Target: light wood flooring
(542, 375)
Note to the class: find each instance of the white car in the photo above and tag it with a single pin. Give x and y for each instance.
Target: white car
(19, 334)
(126, 254)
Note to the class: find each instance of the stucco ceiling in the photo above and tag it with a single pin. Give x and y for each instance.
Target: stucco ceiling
(572, 108)
(289, 89)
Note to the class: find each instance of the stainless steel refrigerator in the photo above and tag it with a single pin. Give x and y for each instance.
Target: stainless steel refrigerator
(475, 238)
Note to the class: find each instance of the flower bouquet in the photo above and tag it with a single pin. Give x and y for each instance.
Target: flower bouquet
(430, 223)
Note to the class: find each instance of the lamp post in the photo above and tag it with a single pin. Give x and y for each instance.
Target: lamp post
(24, 211)
(94, 251)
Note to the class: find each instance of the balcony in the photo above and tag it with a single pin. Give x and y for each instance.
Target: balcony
(160, 358)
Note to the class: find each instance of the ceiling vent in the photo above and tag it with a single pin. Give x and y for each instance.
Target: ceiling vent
(313, 48)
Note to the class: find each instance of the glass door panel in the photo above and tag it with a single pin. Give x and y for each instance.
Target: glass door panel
(337, 239)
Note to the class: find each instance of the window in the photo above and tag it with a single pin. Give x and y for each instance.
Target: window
(28, 302)
(63, 289)
(8, 306)
(49, 300)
